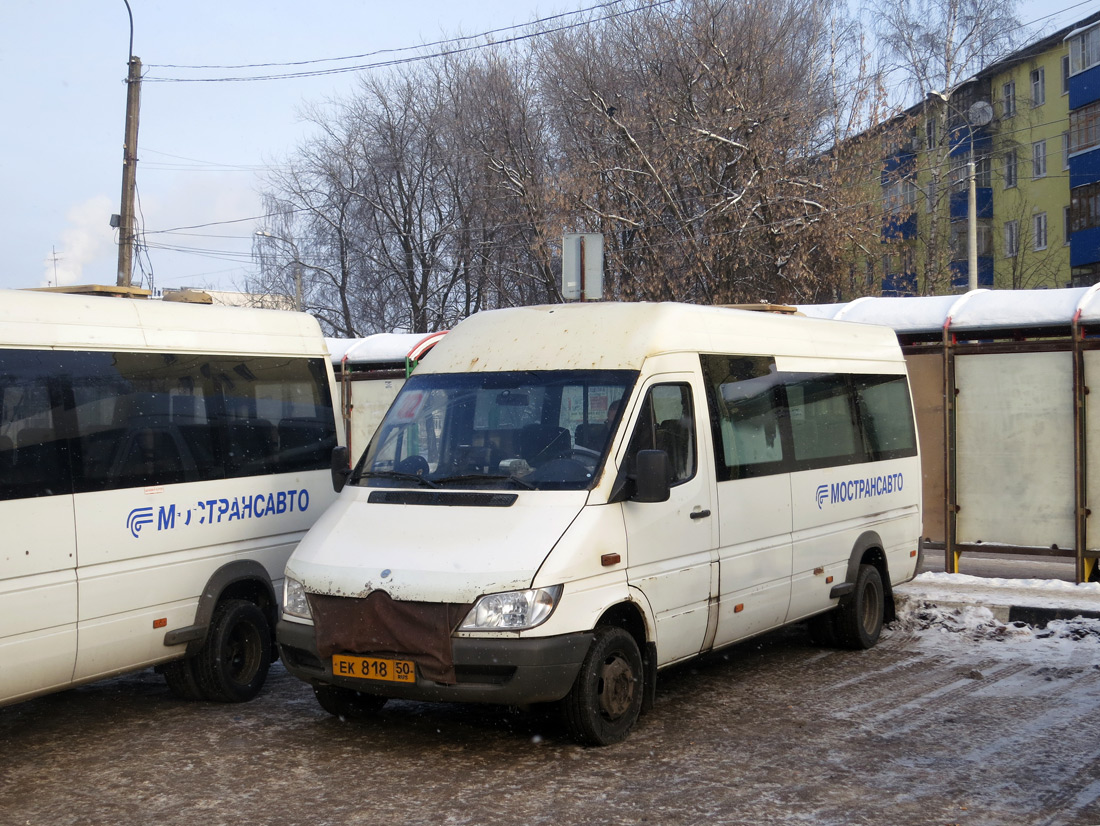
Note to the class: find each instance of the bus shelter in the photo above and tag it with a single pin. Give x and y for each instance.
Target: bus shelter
(1010, 446)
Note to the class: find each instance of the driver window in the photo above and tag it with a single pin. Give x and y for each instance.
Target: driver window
(667, 422)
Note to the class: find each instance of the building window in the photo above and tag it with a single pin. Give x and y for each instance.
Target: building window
(1084, 51)
(1039, 231)
(899, 197)
(1010, 169)
(1012, 239)
(960, 240)
(1039, 159)
(1008, 99)
(1065, 226)
(1065, 150)
(1084, 127)
(1065, 74)
(960, 172)
(930, 134)
(1084, 210)
(1038, 86)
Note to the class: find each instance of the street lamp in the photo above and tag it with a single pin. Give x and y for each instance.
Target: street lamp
(263, 233)
(971, 199)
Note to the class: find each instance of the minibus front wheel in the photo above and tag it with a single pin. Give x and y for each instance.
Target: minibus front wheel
(606, 697)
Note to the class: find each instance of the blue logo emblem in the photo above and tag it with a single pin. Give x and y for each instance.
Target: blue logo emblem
(138, 518)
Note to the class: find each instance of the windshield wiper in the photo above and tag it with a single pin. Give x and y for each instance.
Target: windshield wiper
(395, 474)
(486, 477)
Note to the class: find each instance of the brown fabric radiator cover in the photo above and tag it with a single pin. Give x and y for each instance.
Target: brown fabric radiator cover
(379, 625)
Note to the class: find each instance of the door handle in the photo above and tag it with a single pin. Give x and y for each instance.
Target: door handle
(700, 514)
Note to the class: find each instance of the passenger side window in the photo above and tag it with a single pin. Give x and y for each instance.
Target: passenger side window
(887, 416)
(823, 421)
(748, 406)
(667, 422)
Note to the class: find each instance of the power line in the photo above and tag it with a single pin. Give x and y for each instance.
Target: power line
(449, 52)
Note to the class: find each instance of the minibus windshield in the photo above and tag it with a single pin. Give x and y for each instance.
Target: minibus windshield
(532, 429)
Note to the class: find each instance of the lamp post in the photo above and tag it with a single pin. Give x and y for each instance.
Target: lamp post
(129, 165)
(971, 201)
(263, 233)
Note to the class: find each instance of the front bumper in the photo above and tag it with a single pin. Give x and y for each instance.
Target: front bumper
(509, 671)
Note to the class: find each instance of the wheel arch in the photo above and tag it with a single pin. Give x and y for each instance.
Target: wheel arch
(868, 550)
(243, 579)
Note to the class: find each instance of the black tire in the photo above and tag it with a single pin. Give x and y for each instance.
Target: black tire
(347, 702)
(183, 679)
(860, 616)
(233, 664)
(606, 697)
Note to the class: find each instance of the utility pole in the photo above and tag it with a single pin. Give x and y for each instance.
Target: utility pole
(129, 175)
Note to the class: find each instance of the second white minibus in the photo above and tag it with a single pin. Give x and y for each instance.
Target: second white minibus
(564, 500)
(158, 463)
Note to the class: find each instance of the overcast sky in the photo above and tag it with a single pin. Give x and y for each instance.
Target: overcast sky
(201, 145)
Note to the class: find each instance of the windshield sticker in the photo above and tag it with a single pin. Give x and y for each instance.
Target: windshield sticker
(410, 405)
(211, 511)
(856, 489)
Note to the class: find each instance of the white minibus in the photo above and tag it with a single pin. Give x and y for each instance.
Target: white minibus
(564, 500)
(158, 463)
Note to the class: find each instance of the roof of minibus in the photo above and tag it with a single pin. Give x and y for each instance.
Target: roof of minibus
(622, 335)
(91, 322)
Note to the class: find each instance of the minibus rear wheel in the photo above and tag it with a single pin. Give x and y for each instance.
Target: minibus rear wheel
(606, 697)
(233, 664)
(859, 621)
(347, 702)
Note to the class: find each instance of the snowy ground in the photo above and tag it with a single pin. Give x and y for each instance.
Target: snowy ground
(956, 717)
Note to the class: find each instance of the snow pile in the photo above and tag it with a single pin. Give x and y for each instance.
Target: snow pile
(960, 590)
(978, 623)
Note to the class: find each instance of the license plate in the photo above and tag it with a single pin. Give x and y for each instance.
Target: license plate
(374, 668)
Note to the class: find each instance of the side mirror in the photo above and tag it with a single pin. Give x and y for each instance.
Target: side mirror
(651, 482)
(341, 467)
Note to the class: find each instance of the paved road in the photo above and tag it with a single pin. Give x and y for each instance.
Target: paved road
(927, 728)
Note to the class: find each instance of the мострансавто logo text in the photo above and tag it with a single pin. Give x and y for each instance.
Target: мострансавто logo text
(856, 489)
(211, 511)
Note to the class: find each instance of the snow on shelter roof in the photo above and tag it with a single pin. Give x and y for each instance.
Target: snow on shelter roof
(976, 310)
(381, 348)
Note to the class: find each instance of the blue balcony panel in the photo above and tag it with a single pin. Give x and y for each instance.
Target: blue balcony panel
(899, 284)
(960, 208)
(1084, 247)
(1084, 88)
(960, 270)
(898, 165)
(1084, 168)
(896, 228)
(960, 142)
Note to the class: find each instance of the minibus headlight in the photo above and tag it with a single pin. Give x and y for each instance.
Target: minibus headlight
(294, 599)
(512, 610)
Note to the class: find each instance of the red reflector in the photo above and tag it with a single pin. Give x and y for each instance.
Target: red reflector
(611, 559)
(828, 580)
(738, 608)
(912, 553)
(160, 623)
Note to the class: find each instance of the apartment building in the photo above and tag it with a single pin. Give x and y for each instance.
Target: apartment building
(1030, 125)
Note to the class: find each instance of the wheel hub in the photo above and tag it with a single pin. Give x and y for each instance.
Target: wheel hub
(616, 687)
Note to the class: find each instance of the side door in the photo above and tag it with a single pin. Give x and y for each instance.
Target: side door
(671, 544)
(38, 599)
(751, 434)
